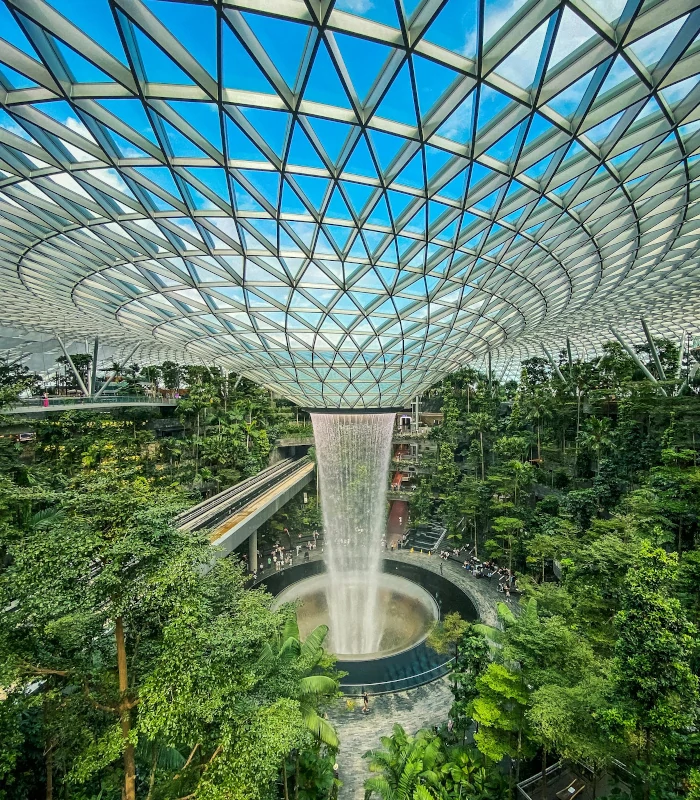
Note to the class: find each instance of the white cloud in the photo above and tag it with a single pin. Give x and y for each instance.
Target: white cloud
(354, 6)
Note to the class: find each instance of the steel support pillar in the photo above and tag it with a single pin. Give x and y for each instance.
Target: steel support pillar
(630, 352)
(554, 364)
(114, 375)
(654, 351)
(79, 380)
(571, 360)
(253, 552)
(681, 353)
(93, 373)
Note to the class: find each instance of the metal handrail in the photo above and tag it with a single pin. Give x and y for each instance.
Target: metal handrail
(386, 687)
(58, 400)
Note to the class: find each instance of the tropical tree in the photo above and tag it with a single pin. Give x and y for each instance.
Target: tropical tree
(409, 766)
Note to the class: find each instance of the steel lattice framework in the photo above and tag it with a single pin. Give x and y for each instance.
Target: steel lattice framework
(348, 200)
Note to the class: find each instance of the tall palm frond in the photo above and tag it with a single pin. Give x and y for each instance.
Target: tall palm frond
(314, 685)
(312, 648)
(319, 727)
(381, 786)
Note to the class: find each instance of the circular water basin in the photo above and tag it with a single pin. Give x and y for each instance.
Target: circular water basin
(405, 611)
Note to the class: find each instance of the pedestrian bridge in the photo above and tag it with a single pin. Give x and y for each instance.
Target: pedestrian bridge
(234, 515)
(36, 405)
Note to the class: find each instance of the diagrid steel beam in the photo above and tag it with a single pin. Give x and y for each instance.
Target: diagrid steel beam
(82, 386)
(114, 374)
(554, 364)
(630, 352)
(654, 351)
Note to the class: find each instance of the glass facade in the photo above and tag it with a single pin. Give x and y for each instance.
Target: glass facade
(346, 200)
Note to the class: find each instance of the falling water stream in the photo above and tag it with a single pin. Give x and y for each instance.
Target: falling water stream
(352, 452)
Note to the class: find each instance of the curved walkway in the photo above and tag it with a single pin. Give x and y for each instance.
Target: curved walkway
(422, 707)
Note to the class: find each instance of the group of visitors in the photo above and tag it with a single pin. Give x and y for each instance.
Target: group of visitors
(280, 558)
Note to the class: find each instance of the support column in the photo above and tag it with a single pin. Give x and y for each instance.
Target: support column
(630, 352)
(75, 372)
(93, 374)
(253, 552)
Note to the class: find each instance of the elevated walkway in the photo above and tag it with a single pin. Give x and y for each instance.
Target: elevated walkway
(36, 407)
(235, 514)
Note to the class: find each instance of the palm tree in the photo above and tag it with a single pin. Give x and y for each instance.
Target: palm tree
(408, 765)
(481, 423)
(287, 650)
(595, 436)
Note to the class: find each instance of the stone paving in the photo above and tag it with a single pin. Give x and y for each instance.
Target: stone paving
(422, 707)
(417, 708)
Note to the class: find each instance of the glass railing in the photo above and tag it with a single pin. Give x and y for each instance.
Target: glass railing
(115, 399)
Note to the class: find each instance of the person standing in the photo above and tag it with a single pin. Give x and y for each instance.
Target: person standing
(45, 400)
(365, 703)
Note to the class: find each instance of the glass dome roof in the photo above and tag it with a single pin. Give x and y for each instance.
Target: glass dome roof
(346, 200)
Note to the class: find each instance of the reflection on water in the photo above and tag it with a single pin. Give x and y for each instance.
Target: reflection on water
(406, 611)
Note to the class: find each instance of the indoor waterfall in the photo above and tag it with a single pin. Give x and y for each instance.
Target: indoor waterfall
(352, 452)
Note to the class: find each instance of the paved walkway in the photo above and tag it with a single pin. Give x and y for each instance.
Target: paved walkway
(418, 708)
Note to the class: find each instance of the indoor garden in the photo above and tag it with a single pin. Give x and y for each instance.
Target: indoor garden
(349, 400)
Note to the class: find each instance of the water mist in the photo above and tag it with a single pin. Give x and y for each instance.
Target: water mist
(353, 452)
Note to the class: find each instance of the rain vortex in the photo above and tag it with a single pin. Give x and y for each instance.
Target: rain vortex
(352, 453)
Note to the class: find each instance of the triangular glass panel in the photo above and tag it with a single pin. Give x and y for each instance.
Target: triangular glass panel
(339, 234)
(435, 160)
(271, 125)
(83, 71)
(157, 64)
(503, 149)
(572, 33)
(455, 188)
(331, 134)
(291, 202)
(380, 213)
(363, 60)
(284, 42)
(412, 174)
(398, 103)
(491, 103)
(566, 102)
(238, 145)
(679, 91)
(337, 208)
(601, 131)
(238, 70)
(432, 80)
(15, 79)
(324, 85)
(358, 194)
(162, 177)
(203, 117)
(360, 161)
(131, 113)
(459, 125)
(386, 146)
(192, 24)
(454, 28)
(181, 146)
(398, 202)
(619, 73)
(314, 188)
(301, 151)
(214, 179)
(651, 47)
(267, 183)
